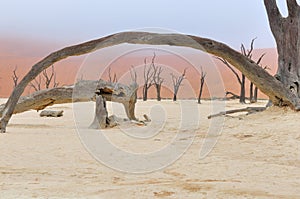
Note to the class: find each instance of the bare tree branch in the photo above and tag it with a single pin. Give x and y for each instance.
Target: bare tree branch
(293, 8)
(231, 68)
(55, 83)
(36, 84)
(15, 77)
(274, 16)
(177, 80)
(249, 54)
(148, 77)
(48, 78)
(148, 74)
(260, 58)
(157, 79)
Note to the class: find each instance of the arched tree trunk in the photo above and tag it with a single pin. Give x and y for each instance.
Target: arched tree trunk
(286, 32)
(264, 81)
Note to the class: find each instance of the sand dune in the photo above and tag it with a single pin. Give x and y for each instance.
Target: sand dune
(256, 156)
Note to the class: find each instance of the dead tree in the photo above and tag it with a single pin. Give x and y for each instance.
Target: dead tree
(286, 31)
(134, 87)
(110, 78)
(248, 53)
(36, 83)
(254, 94)
(101, 120)
(241, 80)
(82, 91)
(177, 80)
(15, 77)
(202, 80)
(49, 78)
(157, 79)
(277, 91)
(250, 110)
(45, 80)
(148, 78)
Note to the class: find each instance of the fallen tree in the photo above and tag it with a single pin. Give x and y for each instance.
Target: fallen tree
(250, 110)
(51, 113)
(279, 94)
(82, 91)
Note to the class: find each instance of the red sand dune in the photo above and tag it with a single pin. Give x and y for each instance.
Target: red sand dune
(24, 54)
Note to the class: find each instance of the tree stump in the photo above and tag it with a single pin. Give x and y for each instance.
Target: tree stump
(101, 120)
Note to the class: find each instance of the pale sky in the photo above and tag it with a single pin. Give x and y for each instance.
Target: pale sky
(72, 21)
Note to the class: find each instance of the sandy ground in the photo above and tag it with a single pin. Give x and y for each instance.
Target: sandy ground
(256, 156)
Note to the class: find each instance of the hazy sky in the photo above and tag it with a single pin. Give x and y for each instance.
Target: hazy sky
(73, 21)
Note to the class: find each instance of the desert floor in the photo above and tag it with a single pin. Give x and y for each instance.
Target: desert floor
(256, 156)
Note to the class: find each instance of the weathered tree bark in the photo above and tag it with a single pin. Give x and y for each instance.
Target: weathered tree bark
(51, 113)
(101, 120)
(286, 32)
(82, 91)
(264, 81)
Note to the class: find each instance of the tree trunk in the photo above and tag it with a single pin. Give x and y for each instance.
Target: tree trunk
(201, 90)
(287, 36)
(101, 116)
(242, 94)
(130, 105)
(158, 88)
(255, 94)
(233, 95)
(145, 92)
(175, 97)
(264, 81)
(251, 93)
